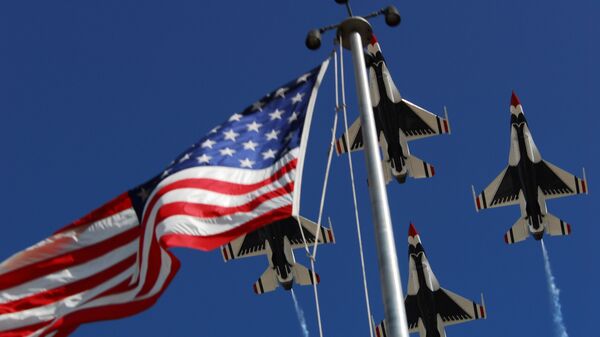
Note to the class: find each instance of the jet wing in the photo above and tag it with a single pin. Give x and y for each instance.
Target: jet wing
(412, 313)
(556, 182)
(251, 244)
(503, 191)
(355, 139)
(309, 229)
(456, 309)
(417, 122)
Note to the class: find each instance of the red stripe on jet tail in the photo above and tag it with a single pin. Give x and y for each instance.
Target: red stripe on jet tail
(330, 236)
(482, 311)
(568, 229)
(445, 126)
(338, 147)
(506, 238)
(254, 288)
(432, 169)
(478, 203)
(583, 187)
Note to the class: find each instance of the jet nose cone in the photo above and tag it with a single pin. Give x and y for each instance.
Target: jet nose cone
(516, 109)
(373, 39)
(412, 231)
(514, 100)
(413, 235)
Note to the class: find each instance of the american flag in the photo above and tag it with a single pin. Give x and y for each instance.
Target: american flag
(114, 262)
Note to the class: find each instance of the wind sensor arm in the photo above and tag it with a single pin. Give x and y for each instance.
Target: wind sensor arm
(313, 38)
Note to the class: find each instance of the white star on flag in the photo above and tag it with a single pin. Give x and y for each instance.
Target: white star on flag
(281, 92)
(258, 106)
(253, 126)
(246, 163)
(208, 143)
(293, 117)
(235, 117)
(303, 78)
(250, 145)
(231, 134)
(186, 157)
(272, 135)
(203, 158)
(227, 152)
(269, 154)
(276, 114)
(297, 98)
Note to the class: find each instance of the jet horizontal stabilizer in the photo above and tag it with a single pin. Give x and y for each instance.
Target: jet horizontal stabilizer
(556, 226)
(380, 330)
(266, 283)
(518, 232)
(418, 168)
(304, 276)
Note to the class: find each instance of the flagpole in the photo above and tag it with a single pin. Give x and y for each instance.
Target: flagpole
(355, 32)
(389, 273)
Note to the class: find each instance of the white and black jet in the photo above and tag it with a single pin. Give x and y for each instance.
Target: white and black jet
(398, 121)
(277, 241)
(529, 181)
(429, 307)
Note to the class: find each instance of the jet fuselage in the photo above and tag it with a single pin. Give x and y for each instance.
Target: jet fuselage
(527, 176)
(280, 252)
(387, 120)
(425, 296)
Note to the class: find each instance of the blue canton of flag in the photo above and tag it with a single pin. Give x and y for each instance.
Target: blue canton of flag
(257, 137)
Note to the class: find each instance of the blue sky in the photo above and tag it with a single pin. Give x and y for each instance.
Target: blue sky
(96, 97)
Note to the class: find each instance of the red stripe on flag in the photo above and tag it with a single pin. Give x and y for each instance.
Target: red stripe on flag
(221, 186)
(24, 331)
(117, 205)
(214, 241)
(214, 211)
(119, 288)
(57, 294)
(70, 259)
(202, 210)
(112, 311)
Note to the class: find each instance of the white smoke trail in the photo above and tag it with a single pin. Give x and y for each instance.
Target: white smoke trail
(561, 329)
(300, 314)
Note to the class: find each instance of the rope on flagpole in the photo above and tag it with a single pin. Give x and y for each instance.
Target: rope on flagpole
(312, 257)
(358, 229)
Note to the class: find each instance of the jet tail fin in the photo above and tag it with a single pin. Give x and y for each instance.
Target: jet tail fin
(266, 283)
(418, 168)
(556, 226)
(304, 276)
(518, 232)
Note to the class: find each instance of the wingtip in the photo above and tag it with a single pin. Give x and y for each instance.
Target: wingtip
(514, 99)
(412, 231)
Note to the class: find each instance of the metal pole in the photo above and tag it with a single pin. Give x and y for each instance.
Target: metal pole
(391, 285)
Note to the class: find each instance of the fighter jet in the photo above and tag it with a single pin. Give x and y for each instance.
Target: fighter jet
(529, 181)
(277, 240)
(398, 121)
(429, 308)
